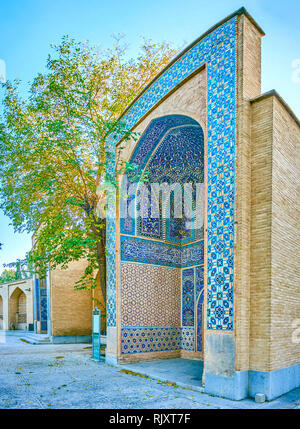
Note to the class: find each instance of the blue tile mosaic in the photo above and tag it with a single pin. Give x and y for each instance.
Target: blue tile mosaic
(217, 51)
(188, 297)
(171, 151)
(41, 303)
(135, 249)
(187, 340)
(143, 340)
(37, 300)
(199, 306)
(111, 262)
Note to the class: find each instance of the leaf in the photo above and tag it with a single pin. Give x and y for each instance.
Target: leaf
(56, 153)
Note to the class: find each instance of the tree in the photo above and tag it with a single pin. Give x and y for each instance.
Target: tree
(53, 149)
(7, 276)
(21, 267)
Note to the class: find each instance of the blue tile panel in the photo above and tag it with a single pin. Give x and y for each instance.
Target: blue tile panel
(111, 261)
(199, 306)
(156, 339)
(188, 297)
(173, 148)
(217, 51)
(187, 339)
(142, 340)
(136, 249)
(192, 308)
(41, 303)
(37, 300)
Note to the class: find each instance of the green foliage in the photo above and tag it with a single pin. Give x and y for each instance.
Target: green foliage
(54, 149)
(7, 276)
(17, 270)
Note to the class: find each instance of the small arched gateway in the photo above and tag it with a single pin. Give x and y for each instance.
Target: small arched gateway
(18, 310)
(16, 305)
(200, 276)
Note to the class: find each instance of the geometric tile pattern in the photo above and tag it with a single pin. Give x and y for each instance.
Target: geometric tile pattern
(44, 312)
(217, 51)
(187, 339)
(221, 180)
(111, 315)
(199, 304)
(41, 303)
(37, 300)
(150, 295)
(188, 297)
(142, 340)
(141, 311)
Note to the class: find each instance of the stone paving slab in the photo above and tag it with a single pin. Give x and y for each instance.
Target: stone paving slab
(185, 373)
(65, 377)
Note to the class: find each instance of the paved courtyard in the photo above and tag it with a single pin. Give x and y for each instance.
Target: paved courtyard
(64, 376)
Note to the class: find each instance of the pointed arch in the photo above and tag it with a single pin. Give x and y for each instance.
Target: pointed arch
(17, 309)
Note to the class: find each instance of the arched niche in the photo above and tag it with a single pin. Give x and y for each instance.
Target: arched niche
(162, 248)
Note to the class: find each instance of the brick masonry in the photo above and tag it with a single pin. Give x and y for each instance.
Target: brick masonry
(275, 262)
(71, 310)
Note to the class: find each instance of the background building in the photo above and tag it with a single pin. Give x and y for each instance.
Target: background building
(61, 311)
(16, 305)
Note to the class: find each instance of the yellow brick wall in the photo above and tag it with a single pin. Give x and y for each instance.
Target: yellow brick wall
(275, 250)
(260, 258)
(248, 68)
(71, 310)
(285, 237)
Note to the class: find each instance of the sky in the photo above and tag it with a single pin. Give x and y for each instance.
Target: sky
(28, 27)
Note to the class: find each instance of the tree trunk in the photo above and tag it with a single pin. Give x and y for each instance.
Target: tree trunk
(101, 256)
(102, 269)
